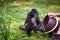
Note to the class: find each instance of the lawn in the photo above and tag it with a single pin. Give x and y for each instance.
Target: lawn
(17, 12)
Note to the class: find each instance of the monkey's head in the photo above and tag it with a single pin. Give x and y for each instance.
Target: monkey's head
(34, 13)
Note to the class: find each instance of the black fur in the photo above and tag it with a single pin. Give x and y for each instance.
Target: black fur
(30, 26)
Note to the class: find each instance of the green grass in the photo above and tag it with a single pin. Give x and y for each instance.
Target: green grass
(18, 13)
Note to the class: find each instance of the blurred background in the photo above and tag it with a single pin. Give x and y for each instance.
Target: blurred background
(13, 13)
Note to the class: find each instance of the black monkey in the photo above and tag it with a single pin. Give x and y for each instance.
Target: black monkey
(32, 22)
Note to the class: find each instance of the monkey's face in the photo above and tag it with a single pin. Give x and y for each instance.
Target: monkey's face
(33, 21)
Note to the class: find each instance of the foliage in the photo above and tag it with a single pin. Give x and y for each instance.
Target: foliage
(4, 24)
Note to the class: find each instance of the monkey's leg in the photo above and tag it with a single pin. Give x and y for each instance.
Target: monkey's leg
(28, 30)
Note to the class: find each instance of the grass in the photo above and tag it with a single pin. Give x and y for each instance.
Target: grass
(18, 13)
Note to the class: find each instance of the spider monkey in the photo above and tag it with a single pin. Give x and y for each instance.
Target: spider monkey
(32, 22)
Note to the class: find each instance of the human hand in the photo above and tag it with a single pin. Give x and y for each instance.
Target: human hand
(50, 15)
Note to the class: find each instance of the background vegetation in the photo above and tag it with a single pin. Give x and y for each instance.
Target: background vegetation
(14, 12)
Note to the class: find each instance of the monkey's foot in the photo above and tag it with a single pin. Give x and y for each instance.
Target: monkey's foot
(22, 28)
